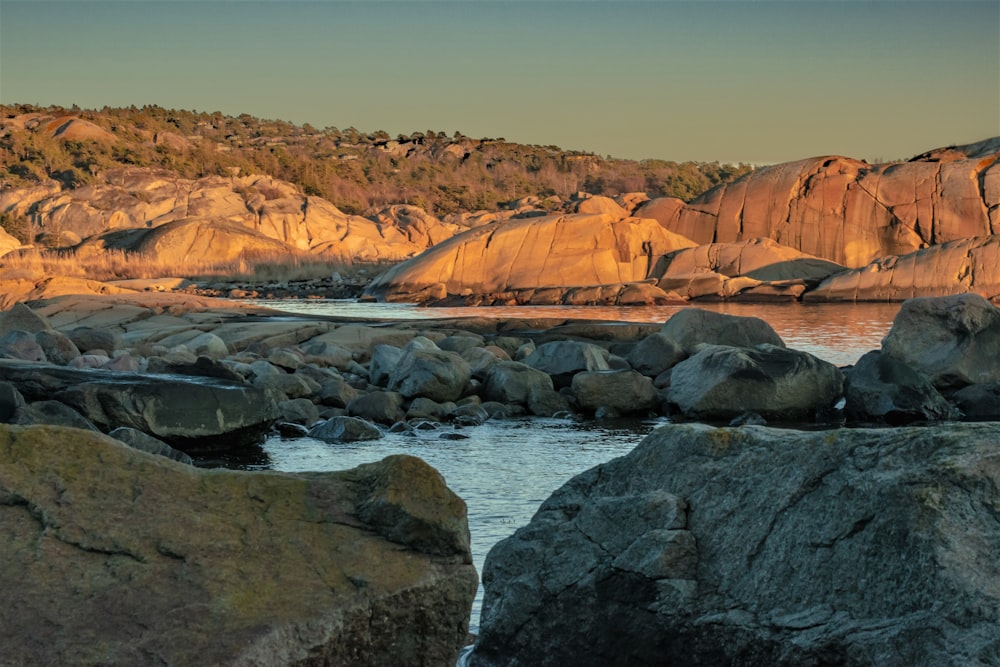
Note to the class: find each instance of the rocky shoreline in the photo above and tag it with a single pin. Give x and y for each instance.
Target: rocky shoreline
(182, 375)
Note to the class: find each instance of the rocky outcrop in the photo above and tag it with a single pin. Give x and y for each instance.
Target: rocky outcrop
(881, 388)
(546, 256)
(116, 557)
(758, 546)
(141, 199)
(851, 212)
(966, 265)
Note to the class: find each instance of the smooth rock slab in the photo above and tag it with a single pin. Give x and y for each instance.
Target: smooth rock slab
(116, 557)
(759, 546)
(180, 410)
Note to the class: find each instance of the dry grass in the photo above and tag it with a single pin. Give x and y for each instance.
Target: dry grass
(121, 265)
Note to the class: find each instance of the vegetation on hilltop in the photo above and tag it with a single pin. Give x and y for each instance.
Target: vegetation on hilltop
(354, 170)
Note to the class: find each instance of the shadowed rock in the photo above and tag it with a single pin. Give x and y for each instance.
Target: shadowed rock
(759, 546)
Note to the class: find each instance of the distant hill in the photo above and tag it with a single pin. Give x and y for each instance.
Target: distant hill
(356, 171)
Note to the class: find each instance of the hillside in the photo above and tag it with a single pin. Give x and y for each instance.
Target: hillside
(355, 171)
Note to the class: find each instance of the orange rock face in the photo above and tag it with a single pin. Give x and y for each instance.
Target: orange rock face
(556, 251)
(848, 211)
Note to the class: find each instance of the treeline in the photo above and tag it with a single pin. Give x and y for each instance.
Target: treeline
(355, 170)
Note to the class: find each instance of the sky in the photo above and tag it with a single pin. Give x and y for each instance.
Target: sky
(712, 80)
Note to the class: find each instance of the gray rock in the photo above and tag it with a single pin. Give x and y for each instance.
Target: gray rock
(480, 360)
(692, 327)
(564, 359)
(655, 354)
(624, 392)
(336, 392)
(544, 402)
(198, 411)
(207, 344)
(10, 401)
(345, 429)
(460, 343)
(57, 347)
(435, 374)
(299, 411)
(324, 353)
(202, 367)
(144, 561)
(88, 338)
(285, 358)
(880, 388)
(425, 408)
(720, 383)
(759, 546)
(953, 340)
(513, 382)
(384, 359)
(980, 402)
(21, 345)
(384, 407)
(147, 443)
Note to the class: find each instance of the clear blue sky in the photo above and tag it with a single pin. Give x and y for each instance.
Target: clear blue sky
(711, 80)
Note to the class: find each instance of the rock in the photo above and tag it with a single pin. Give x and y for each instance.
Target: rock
(960, 266)
(10, 401)
(385, 358)
(57, 347)
(336, 392)
(147, 443)
(557, 251)
(881, 388)
(435, 374)
(344, 429)
(721, 382)
(979, 402)
(366, 566)
(544, 402)
(561, 360)
(90, 361)
(480, 359)
(425, 408)
(513, 382)
(327, 354)
(21, 345)
(202, 367)
(891, 209)
(21, 318)
(384, 407)
(691, 327)
(758, 546)
(195, 413)
(290, 384)
(123, 362)
(88, 338)
(460, 343)
(953, 340)
(655, 354)
(287, 359)
(299, 411)
(53, 413)
(624, 392)
(208, 345)
(762, 259)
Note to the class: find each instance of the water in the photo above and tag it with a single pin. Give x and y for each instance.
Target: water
(505, 469)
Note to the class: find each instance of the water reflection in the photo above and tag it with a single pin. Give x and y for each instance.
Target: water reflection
(837, 332)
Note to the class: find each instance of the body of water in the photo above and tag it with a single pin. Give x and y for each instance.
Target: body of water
(505, 469)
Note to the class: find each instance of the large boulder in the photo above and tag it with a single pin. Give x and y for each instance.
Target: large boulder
(881, 388)
(721, 383)
(564, 359)
(511, 382)
(759, 546)
(188, 413)
(431, 373)
(953, 340)
(691, 327)
(116, 557)
(654, 354)
(555, 252)
(620, 392)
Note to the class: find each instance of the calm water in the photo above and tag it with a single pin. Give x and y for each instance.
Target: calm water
(505, 469)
